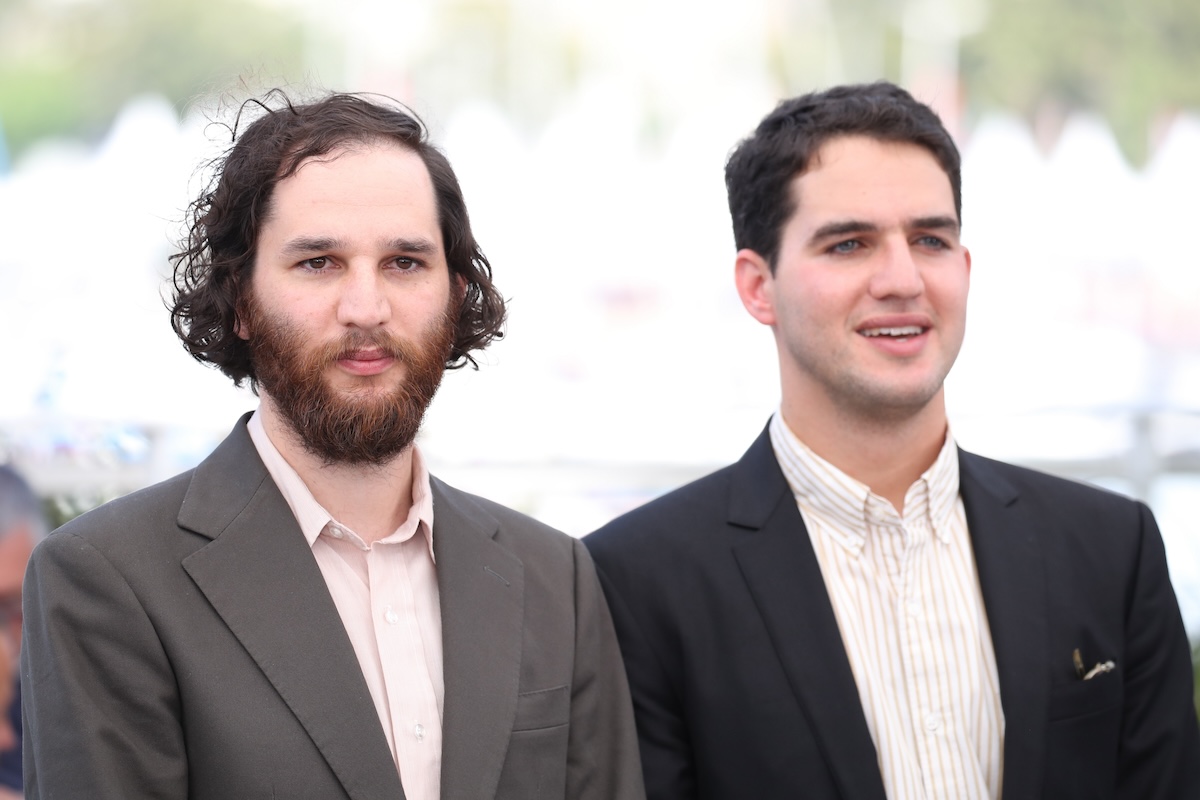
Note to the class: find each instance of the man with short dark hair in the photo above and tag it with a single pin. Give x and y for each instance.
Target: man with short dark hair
(308, 613)
(858, 609)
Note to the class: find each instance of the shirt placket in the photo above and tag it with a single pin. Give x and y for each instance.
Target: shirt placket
(416, 729)
(927, 678)
(895, 556)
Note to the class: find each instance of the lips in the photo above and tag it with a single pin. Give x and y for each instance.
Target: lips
(366, 362)
(363, 355)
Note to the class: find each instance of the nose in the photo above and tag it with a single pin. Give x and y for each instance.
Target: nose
(363, 302)
(898, 273)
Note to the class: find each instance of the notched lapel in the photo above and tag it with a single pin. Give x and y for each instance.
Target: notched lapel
(1009, 560)
(482, 588)
(260, 577)
(781, 571)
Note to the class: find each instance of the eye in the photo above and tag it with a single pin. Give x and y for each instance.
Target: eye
(315, 264)
(846, 247)
(932, 242)
(405, 263)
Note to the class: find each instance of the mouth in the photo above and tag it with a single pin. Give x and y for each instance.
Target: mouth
(899, 333)
(366, 362)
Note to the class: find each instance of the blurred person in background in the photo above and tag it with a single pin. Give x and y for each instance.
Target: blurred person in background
(22, 525)
(858, 609)
(309, 613)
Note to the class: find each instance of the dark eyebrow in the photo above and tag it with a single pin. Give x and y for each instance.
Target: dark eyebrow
(304, 245)
(934, 223)
(852, 226)
(420, 246)
(842, 228)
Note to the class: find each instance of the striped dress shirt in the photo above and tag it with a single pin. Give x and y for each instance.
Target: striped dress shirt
(906, 596)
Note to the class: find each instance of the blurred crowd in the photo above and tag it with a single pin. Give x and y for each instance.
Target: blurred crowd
(22, 525)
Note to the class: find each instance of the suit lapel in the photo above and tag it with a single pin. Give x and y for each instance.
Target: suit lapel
(1012, 578)
(482, 588)
(780, 568)
(260, 576)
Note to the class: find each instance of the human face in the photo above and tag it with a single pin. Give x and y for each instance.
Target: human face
(350, 311)
(868, 294)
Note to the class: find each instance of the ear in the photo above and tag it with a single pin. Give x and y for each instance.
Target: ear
(755, 285)
(241, 328)
(967, 256)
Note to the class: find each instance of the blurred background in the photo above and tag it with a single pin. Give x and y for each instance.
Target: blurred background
(590, 139)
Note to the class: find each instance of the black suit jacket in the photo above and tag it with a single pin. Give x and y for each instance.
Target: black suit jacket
(181, 643)
(742, 688)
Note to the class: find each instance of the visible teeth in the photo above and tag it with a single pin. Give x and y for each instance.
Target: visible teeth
(908, 330)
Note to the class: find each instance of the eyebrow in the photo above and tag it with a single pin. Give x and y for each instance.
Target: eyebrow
(851, 226)
(303, 245)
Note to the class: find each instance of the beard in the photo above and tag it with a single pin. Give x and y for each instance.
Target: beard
(363, 427)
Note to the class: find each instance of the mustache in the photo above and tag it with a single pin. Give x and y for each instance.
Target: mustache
(355, 342)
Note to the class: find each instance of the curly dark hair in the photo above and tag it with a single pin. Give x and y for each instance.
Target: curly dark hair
(213, 266)
(759, 172)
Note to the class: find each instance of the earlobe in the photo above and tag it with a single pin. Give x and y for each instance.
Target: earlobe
(755, 285)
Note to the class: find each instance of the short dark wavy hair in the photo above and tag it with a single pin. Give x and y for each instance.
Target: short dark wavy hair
(759, 172)
(216, 257)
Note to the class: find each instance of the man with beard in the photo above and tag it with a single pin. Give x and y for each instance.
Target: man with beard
(308, 613)
(857, 609)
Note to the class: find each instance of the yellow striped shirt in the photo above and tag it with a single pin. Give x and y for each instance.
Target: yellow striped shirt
(906, 596)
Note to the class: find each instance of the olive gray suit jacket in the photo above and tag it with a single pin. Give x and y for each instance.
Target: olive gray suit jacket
(181, 643)
(742, 688)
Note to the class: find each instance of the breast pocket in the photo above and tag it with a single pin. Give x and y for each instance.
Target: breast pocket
(1082, 698)
(536, 764)
(545, 708)
(1083, 737)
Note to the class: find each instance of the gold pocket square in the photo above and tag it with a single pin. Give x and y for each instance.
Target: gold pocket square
(1100, 668)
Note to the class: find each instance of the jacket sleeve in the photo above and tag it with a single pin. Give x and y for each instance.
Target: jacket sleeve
(1159, 754)
(602, 759)
(664, 743)
(100, 705)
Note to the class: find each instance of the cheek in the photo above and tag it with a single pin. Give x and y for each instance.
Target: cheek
(948, 292)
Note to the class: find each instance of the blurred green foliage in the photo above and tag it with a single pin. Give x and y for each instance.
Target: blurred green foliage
(1130, 60)
(67, 66)
(61, 509)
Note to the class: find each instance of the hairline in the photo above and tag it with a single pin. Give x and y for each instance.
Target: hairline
(814, 159)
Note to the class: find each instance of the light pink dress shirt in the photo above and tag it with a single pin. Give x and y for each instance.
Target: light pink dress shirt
(387, 595)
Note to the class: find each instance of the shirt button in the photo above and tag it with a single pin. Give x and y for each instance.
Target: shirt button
(419, 732)
(932, 722)
(335, 532)
(391, 616)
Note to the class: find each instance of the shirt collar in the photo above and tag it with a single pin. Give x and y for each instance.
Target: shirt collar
(312, 516)
(850, 504)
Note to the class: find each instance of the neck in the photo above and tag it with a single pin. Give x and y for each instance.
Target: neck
(372, 500)
(888, 455)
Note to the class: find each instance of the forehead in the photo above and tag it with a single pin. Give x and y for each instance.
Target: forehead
(364, 182)
(860, 175)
